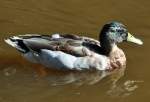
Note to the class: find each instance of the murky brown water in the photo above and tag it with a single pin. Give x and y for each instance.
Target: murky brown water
(19, 82)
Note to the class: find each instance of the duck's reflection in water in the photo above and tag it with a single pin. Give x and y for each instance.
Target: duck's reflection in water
(116, 88)
(77, 78)
(84, 77)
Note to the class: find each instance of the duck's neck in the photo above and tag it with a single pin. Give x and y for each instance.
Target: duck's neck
(106, 45)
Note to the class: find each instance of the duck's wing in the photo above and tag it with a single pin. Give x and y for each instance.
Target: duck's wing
(69, 43)
(82, 38)
(89, 45)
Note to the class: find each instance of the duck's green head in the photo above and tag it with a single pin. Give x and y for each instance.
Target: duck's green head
(116, 32)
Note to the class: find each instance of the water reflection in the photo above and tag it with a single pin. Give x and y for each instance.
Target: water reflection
(77, 78)
(125, 89)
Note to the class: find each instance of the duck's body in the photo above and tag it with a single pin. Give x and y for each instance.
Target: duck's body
(71, 51)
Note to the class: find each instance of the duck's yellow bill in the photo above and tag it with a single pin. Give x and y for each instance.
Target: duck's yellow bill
(131, 38)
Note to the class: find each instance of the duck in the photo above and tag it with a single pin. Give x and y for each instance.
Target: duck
(73, 52)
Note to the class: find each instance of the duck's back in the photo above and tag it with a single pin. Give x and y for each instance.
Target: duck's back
(71, 44)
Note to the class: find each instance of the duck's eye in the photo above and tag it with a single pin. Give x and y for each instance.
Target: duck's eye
(120, 31)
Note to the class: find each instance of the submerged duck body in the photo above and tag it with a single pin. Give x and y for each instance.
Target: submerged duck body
(74, 52)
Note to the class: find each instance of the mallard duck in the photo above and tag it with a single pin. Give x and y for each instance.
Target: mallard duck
(72, 52)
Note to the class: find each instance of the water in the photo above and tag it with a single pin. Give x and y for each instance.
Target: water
(19, 79)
